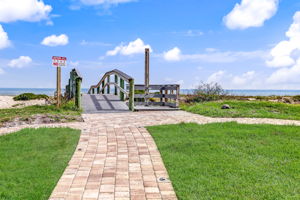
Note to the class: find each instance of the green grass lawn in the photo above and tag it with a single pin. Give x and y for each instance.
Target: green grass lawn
(9, 114)
(259, 109)
(230, 160)
(33, 160)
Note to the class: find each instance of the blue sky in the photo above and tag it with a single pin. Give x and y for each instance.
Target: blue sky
(242, 44)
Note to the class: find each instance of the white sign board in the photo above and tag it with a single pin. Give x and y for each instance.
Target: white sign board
(58, 61)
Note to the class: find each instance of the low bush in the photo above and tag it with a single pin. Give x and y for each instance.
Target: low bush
(30, 96)
(296, 98)
(206, 92)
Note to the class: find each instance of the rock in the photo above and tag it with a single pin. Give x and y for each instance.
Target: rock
(225, 106)
(288, 100)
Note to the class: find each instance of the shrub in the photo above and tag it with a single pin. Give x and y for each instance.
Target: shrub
(30, 96)
(207, 92)
(296, 98)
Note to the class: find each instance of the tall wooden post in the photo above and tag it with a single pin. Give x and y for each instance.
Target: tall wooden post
(131, 95)
(69, 88)
(102, 88)
(147, 72)
(108, 86)
(58, 86)
(122, 85)
(177, 96)
(166, 93)
(116, 82)
(78, 93)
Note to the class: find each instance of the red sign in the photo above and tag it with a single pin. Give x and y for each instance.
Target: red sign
(58, 61)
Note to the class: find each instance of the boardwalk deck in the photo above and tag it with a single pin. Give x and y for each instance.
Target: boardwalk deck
(98, 103)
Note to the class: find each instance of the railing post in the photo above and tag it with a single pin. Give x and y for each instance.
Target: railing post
(166, 93)
(161, 93)
(177, 95)
(122, 86)
(108, 86)
(71, 86)
(78, 93)
(102, 88)
(131, 94)
(93, 91)
(116, 82)
(98, 90)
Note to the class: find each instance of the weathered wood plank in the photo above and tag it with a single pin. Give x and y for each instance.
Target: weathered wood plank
(169, 96)
(173, 105)
(157, 87)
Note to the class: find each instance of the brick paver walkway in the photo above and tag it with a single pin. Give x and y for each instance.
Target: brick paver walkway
(116, 157)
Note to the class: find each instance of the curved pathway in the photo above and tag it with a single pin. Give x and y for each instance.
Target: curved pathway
(116, 157)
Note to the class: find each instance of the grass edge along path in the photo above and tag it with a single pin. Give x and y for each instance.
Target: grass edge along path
(10, 114)
(33, 160)
(230, 160)
(245, 109)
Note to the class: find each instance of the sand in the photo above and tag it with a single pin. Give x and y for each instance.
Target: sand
(8, 102)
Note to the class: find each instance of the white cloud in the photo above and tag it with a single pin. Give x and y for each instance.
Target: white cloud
(224, 56)
(285, 55)
(180, 82)
(189, 33)
(251, 13)
(211, 50)
(214, 56)
(107, 2)
(286, 75)
(135, 47)
(173, 54)
(1, 71)
(54, 40)
(91, 43)
(169, 80)
(4, 41)
(244, 78)
(74, 63)
(20, 62)
(216, 77)
(193, 33)
(25, 10)
(282, 53)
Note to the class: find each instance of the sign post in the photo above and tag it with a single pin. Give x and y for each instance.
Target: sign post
(147, 75)
(58, 62)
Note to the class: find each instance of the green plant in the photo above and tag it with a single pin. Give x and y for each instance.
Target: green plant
(206, 92)
(67, 109)
(30, 96)
(296, 98)
(255, 109)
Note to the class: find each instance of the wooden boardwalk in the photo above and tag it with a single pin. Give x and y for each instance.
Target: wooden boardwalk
(102, 103)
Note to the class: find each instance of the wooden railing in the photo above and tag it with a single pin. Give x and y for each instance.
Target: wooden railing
(119, 84)
(73, 89)
(161, 95)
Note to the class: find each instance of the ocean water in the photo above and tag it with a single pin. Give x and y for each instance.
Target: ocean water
(254, 92)
(17, 91)
(50, 92)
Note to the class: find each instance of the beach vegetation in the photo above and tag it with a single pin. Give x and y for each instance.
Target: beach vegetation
(30, 96)
(206, 92)
(251, 109)
(67, 112)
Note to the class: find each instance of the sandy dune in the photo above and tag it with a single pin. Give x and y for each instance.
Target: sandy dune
(8, 102)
